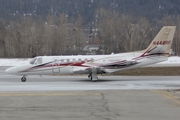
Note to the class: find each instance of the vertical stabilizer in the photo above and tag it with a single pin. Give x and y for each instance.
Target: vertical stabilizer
(162, 42)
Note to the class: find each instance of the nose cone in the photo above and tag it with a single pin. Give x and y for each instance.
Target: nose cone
(11, 70)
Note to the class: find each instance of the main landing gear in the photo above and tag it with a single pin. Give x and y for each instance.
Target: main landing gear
(23, 79)
(93, 75)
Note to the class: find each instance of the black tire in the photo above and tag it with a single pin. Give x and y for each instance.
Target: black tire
(94, 80)
(23, 79)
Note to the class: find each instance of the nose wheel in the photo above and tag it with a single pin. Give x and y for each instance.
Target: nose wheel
(23, 79)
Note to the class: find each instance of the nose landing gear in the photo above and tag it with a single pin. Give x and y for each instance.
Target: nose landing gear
(23, 79)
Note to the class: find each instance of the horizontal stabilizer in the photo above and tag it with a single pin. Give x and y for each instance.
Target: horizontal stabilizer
(157, 49)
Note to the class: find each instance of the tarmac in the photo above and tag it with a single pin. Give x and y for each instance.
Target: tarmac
(77, 98)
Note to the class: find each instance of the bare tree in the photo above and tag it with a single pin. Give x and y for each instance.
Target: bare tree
(122, 33)
(176, 41)
(128, 32)
(3, 50)
(142, 38)
(108, 25)
(79, 33)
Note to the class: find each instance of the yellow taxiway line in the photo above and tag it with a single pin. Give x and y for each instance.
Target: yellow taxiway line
(168, 96)
(19, 94)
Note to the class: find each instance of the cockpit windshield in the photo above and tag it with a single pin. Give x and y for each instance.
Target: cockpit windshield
(33, 61)
(36, 60)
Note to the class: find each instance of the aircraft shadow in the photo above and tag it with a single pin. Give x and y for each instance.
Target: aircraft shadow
(106, 80)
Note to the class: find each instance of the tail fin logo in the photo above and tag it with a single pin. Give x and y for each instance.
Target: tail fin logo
(166, 42)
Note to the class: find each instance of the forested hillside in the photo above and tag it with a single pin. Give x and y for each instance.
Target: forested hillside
(52, 27)
(152, 9)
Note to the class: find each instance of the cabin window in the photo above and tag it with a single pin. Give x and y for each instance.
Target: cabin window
(79, 60)
(74, 60)
(55, 60)
(62, 60)
(92, 60)
(85, 60)
(68, 60)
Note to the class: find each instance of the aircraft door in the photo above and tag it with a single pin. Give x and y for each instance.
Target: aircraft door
(56, 65)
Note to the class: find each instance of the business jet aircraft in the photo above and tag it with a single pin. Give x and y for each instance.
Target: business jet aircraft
(157, 51)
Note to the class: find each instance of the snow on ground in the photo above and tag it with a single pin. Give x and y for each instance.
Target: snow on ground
(13, 61)
(172, 61)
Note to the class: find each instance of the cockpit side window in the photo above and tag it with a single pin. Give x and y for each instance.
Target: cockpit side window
(33, 61)
(39, 60)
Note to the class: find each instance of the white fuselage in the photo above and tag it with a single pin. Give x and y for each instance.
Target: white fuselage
(82, 64)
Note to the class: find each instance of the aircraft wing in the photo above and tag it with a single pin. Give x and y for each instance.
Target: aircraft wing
(157, 49)
(102, 68)
(81, 70)
(121, 63)
(130, 62)
(88, 70)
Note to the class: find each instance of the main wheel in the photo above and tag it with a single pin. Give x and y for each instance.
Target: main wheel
(23, 79)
